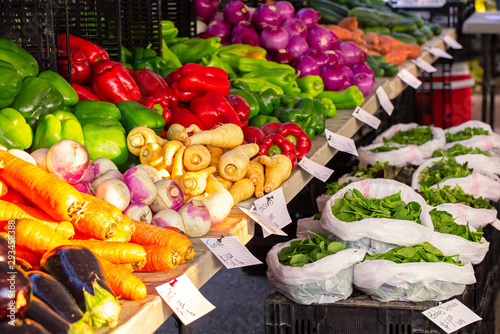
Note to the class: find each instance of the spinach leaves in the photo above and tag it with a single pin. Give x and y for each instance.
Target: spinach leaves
(354, 206)
(424, 252)
(458, 149)
(416, 136)
(302, 252)
(447, 194)
(445, 223)
(466, 133)
(446, 168)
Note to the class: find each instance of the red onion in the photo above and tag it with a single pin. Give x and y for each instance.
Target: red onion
(362, 67)
(285, 8)
(295, 27)
(335, 41)
(274, 38)
(347, 84)
(318, 55)
(348, 72)
(309, 16)
(333, 77)
(307, 66)
(335, 58)
(320, 38)
(283, 56)
(364, 82)
(220, 29)
(247, 36)
(297, 46)
(206, 9)
(352, 53)
(236, 11)
(242, 25)
(219, 16)
(204, 35)
(266, 15)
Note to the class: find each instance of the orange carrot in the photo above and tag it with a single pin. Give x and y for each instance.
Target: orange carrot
(36, 237)
(99, 218)
(357, 36)
(388, 40)
(54, 196)
(342, 33)
(3, 189)
(10, 211)
(65, 228)
(349, 23)
(146, 234)
(113, 210)
(371, 38)
(396, 57)
(13, 196)
(122, 282)
(160, 258)
(115, 252)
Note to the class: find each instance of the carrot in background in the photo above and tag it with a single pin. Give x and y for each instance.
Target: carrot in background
(122, 282)
(342, 33)
(349, 23)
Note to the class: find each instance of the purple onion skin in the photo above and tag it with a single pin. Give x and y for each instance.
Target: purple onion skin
(335, 57)
(348, 72)
(347, 84)
(335, 41)
(352, 53)
(236, 11)
(284, 57)
(307, 66)
(362, 67)
(266, 15)
(318, 55)
(220, 29)
(309, 16)
(206, 9)
(274, 38)
(142, 189)
(320, 38)
(364, 82)
(242, 25)
(249, 37)
(286, 9)
(295, 27)
(333, 77)
(297, 46)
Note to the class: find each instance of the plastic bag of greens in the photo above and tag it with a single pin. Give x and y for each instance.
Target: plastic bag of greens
(452, 171)
(465, 135)
(408, 149)
(394, 231)
(385, 280)
(324, 281)
(476, 217)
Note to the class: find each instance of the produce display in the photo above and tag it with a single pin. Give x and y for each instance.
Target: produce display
(445, 223)
(467, 133)
(459, 149)
(443, 169)
(449, 194)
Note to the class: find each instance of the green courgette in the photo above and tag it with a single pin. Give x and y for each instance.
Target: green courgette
(369, 17)
(436, 28)
(419, 36)
(328, 16)
(390, 69)
(405, 38)
(325, 4)
(415, 18)
(426, 29)
(407, 26)
(378, 30)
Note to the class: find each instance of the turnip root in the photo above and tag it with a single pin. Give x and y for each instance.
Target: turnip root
(168, 196)
(142, 189)
(109, 174)
(115, 192)
(196, 219)
(218, 203)
(153, 173)
(84, 187)
(40, 157)
(68, 160)
(101, 165)
(167, 217)
(140, 212)
(88, 176)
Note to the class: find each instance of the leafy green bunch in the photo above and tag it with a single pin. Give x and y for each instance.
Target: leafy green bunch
(416, 136)
(445, 223)
(385, 148)
(447, 194)
(446, 168)
(466, 133)
(354, 206)
(302, 252)
(458, 149)
(424, 252)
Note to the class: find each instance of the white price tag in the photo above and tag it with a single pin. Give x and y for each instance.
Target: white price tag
(230, 251)
(451, 316)
(366, 117)
(184, 299)
(341, 143)
(424, 65)
(319, 171)
(452, 42)
(409, 78)
(439, 53)
(384, 100)
(268, 226)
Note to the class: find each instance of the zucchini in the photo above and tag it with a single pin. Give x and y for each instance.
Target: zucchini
(328, 16)
(426, 29)
(390, 69)
(378, 30)
(419, 36)
(417, 19)
(376, 68)
(405, 38)
(436, 28)
(377, 58)
(406, 26)
(338, 8)
(370, 17)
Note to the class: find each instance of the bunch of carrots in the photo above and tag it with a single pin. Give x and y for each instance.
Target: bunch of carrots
(48, 212)
(393, 50)
(193, 158)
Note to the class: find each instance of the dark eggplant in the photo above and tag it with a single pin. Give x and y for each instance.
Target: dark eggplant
(23, 264)
(25, 326)
(15, 292)
(55, 295)
(47, 317)
(79, 270)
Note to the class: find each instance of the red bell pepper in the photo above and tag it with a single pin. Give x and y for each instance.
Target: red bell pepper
(80, 67)
(294, 133)
(241, 106)
(84, 93)
(92, 52)
(213, 109)
(253, 134)
(182, 95)
(156, 94)
(184, 117)
(111, 82)
(277, 144)
(270, 128)
(208, 71)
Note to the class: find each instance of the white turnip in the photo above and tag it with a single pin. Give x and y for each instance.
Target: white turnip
(68, 160)
(115, 192)
(40, 157)
(140, 212)
(142, 189)
(101, 165)
(168, 196)
(153, 173)
(196, 219)
(109, 174)
(22, 155)
(167, 217)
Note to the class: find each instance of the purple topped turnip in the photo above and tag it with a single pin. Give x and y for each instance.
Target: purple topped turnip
(142, 189)
(68, 160)
(168, 196)
(196, 219)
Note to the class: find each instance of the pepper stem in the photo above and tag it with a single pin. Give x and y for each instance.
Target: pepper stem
(273, 150)
(292, 139)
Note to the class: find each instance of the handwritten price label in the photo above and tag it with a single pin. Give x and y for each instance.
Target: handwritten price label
(366, 117)
(451, 316)
(439, 53)
(184, 299)
(384, 100)
(319, 171)
(230, 251)
(409, 78)
(452, 43)
(341, 143)
(425, 65)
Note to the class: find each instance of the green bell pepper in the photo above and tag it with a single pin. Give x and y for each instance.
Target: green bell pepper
(311, 84)
(251, 100)
(289, 100)
(135, 114)
(57, 126)
(192, 50)
(302, 117)
(14, 131)
(314, 125)
(91, 110)
(215, 61)
(260, 120)
(346, 99)
(281, 77)
(154, 64)
(10, 83)
(330, 109)
(37, 98)
(294, 88)
(259, 85)
(106, 138)
(168, 30)
(268, 101)
(25, 64)
(319, 112)
(70, 97)
(140, 53)
(305, 96)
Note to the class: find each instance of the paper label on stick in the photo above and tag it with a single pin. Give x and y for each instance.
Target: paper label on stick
(319, 171)
(366, 117)
(409, 78)
(384, 100)
(230, 251)
(341, 143)
(425, 65)
(452, 42)
(184, 299)
(451, 316)
(439, 53)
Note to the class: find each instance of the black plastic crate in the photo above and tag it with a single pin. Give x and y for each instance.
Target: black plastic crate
(249, 3)
(29, 23)
(182, 13)
(141, 24)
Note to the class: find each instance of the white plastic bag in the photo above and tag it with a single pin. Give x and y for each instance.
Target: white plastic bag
(325, 281)
(404, 155)
(392, 231)
(387, 281)
(483, 142)
(321, 201)
(309, 224)
(475, 217)
(479, 183)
